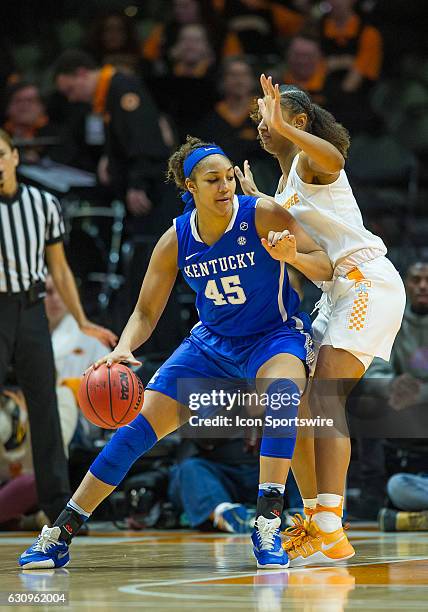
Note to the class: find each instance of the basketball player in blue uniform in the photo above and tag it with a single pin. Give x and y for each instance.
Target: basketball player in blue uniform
(232, 250)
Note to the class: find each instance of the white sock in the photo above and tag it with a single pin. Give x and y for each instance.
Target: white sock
(266, 486)
(310, 503)
(72, 504)
(328, 521)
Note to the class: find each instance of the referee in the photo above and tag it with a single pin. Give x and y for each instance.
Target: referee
(31, 235)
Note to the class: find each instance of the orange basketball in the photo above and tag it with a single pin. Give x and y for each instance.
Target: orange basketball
(110, 397)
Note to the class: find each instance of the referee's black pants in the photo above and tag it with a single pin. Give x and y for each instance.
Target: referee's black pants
(25, 343)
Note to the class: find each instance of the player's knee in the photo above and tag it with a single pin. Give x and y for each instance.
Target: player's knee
(280, 429)
(125, 447)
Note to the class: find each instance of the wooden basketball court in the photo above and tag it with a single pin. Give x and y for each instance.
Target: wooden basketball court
(179, 570)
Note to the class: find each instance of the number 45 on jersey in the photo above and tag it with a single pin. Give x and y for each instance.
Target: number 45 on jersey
(233, 292)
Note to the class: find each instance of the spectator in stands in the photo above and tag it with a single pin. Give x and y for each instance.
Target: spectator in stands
(407, 370)
(400, 384)
(255, 27)
(163, 37)
(229, 124)
(188, 91)
(27, 120)
(18, 491)
(135, 149)
(306, 67)
(409, 494)
(353, 51)
(192, 55)
(113, 39)
(353, 48)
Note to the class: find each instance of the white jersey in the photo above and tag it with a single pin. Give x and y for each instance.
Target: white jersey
(329, 214)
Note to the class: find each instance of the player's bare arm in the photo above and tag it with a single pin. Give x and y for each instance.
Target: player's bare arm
(319, 159)
(286, 240)
(154, 294)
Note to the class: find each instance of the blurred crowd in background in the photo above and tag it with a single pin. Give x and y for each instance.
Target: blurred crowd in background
(96, 95)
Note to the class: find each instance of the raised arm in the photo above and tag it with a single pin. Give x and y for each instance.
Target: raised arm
(286, 240)
(321, 156)
(154, 293)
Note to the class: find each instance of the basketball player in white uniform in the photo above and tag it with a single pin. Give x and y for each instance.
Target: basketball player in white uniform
(360, 311)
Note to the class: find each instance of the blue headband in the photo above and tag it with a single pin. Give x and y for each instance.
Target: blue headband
(195, 157)
(190, 162)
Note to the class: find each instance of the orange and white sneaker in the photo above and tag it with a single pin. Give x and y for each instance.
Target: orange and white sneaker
(307, 544)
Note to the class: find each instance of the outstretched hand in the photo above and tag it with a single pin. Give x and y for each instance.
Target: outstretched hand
(270, 105)
(281, 246)
(246, 180)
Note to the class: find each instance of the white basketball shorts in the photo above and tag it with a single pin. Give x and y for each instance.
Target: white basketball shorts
(362, 310)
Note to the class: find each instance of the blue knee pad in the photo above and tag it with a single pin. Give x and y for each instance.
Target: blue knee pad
(125, 447)
(280, 429)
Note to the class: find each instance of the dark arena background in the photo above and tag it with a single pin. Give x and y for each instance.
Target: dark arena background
(175, 534)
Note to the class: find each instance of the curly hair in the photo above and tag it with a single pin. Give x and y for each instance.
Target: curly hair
(321, 123)
(175, 172)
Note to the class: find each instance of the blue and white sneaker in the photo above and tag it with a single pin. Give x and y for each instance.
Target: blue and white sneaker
(267, 544)
(47, 551)
(233, 518)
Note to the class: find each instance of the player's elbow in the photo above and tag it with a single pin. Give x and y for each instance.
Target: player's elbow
(336, 163)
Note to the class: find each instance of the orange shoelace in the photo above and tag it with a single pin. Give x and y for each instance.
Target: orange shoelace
(297, 533)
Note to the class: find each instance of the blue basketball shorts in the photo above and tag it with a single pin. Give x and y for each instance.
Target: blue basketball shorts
(205, 354)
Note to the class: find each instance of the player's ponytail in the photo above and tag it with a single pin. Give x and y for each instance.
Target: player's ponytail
(325, 126)
(321, 123)
(175, 172)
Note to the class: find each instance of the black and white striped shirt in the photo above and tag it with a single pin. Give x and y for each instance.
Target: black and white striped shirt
(28, 223)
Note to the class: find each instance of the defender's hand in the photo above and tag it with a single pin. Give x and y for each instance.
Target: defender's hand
(281, 246)
(270, 105)
(246, 180)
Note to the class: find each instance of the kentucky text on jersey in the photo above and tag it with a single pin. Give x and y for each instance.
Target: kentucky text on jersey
(222, 264)
(240, 289)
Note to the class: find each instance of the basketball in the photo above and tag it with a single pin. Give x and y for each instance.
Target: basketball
(110, 397)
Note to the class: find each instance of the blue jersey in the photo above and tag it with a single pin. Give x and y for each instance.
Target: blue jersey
(240, 289)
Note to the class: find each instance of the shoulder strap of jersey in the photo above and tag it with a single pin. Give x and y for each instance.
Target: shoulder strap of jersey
(247, 201)
(294, 164)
